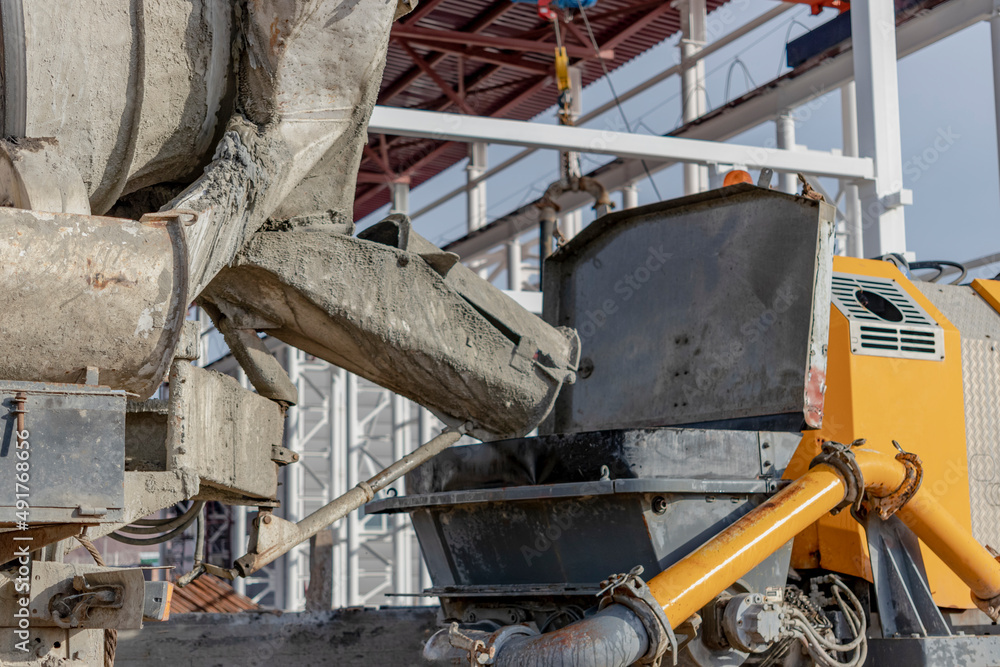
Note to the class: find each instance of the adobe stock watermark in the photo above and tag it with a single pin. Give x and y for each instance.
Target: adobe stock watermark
(627, 286)
(914, 169)
(719, 362)
(918, 165)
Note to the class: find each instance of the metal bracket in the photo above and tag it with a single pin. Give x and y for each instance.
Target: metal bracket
(479, 653)
(897, 199)
(282, 455)
(70, 610)
(839, 457)
(629, 590)
(892, 503)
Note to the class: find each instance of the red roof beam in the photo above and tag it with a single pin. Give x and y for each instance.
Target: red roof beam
(482, 55)
(422, 35)
(435, 77)
(818, 5)
(482, 22)
(637, 25)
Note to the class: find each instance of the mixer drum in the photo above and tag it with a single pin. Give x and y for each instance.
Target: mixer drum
(136, 92)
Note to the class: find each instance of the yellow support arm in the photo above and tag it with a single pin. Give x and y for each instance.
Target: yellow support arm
(693, 582)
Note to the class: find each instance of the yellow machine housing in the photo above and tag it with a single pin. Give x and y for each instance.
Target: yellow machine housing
(918, 400)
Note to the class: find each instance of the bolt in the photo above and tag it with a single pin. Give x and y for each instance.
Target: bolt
(19, 400)
(295, 457)
(267, 518)
(659, 505)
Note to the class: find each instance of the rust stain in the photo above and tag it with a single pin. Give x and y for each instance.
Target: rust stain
(100, 280)
(276, 38)
(815, 394)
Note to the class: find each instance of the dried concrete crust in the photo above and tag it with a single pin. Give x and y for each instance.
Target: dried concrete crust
(87, 291)
(387, 315)
(135, 106)
(306, 78)
(142, 102)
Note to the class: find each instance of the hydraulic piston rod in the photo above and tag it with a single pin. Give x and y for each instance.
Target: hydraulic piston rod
(273, 537)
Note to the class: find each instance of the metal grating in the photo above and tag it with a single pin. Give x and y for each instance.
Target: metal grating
(909, 333)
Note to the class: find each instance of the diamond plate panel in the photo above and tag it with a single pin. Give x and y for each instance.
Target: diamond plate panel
(981, 379)
(979, 326)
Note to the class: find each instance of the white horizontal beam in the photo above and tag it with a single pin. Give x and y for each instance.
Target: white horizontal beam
(718, 44)
(457, 127)
(765, 104)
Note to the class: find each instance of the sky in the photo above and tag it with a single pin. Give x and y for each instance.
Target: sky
(945, 90)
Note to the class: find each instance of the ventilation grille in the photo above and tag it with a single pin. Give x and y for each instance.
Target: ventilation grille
(912, 335)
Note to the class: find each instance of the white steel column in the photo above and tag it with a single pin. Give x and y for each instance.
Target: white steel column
(873, 26)
(296, 560)
(694, 101)
(338, 479)
(630, 196)
(402, 559)
(425, 427)
(785, 126)
(476, 196)
(515, 277)
(353, 442)
(572, 223)
(400, 197)
(852, 202)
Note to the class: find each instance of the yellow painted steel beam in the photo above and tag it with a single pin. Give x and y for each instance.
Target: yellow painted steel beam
(693, 582)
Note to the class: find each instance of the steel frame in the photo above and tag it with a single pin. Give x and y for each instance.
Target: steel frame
(346, 429)
(761, 105)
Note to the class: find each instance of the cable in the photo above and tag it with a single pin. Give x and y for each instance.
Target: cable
(190, 515)
(939, 265)
(614, 93)
(746, 73)
(819, 647)
(163, 525)
(788, 35)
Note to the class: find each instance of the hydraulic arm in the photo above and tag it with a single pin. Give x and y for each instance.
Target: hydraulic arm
(843, 477)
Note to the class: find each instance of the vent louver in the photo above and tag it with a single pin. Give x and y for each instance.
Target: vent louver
(896, 327)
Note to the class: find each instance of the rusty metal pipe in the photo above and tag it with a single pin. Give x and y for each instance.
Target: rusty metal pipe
(614, 637)
(693, 582)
